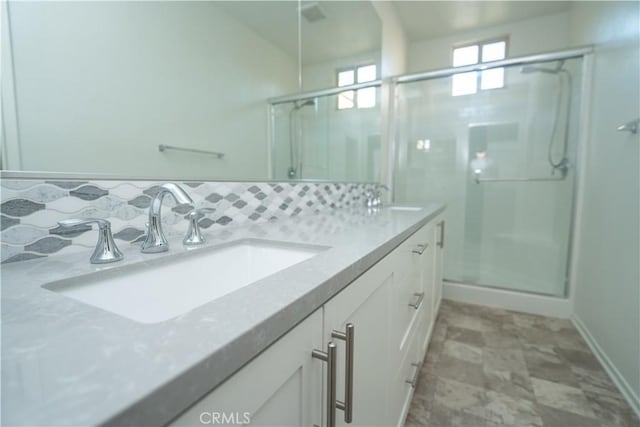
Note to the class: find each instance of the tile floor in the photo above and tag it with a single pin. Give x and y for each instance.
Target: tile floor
(492, 367)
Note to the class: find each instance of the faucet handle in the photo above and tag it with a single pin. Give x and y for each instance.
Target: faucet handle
(194, 235)
(106, 250)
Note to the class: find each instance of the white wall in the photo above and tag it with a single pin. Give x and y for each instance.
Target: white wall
(393, 62)
(394, 40)
(101, 84)
(607, 296)
(525, 37)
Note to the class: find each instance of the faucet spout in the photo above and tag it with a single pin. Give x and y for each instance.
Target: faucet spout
(156, 240)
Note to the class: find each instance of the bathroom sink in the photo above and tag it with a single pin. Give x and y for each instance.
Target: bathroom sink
(163, 288)
(405, 208)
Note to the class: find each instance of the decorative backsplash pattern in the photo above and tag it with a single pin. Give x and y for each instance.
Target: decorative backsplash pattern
(30, 209)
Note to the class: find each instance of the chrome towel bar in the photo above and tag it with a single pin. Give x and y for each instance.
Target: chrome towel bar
(163, 147)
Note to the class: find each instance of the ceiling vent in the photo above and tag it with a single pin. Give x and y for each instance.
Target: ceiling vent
(312, 12)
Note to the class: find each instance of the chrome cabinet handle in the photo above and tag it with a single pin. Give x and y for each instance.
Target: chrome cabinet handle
(330, 358)
(106, 250)
(347, 405)
(413, 381)
(420, 249)
(418, 302)
(441, 242)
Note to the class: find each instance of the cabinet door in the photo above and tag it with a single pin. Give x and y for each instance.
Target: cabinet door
(281, 387)
(439, 264)
(364, 303)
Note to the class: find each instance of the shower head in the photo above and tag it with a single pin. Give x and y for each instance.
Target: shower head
(312, 12)
(534, 69)
(299, 105)
(529, 69)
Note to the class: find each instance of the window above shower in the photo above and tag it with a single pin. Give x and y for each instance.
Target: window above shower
(476, 53)
(362, 98)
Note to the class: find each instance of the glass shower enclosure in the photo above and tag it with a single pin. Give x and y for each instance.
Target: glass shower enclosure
(504, 162)
(312, 138)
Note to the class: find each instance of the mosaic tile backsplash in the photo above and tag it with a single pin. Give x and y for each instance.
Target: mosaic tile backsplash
(31, 209)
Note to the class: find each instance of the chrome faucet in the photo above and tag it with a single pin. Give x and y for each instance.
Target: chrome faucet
(382, 187)
(106, 250)
(373, 198)
(156, 241)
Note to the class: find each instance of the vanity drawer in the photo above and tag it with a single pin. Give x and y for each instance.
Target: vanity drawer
(412, 290)
(405, 380)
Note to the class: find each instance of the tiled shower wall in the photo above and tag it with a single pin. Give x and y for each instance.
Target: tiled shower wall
(31, 209)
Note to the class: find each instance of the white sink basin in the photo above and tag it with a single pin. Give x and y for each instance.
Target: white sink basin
(164, 288)
(405, 208)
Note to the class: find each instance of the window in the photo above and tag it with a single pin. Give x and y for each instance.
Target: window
(468, 83)
(362, 98)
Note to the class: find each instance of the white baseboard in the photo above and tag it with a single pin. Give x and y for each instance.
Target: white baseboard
(510, 300)
(622, 384)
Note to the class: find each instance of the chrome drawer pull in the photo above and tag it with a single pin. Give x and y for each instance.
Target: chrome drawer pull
(347, 405)
(420, 249)
(414, 380)
(418, 302)
(330, 358)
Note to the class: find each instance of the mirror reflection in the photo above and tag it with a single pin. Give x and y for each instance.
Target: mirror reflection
(181, 90)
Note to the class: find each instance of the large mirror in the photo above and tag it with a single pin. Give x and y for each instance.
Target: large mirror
(335, 135)
(127, 89)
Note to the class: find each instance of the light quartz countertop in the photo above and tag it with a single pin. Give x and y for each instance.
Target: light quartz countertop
(69, 363)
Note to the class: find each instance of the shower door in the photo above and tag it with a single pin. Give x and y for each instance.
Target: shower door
(503, 160)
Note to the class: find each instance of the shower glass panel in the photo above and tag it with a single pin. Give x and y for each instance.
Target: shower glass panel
(498, 159)
(313, 139)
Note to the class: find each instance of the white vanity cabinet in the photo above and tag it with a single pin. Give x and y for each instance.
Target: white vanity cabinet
(280, 387)
(413, 312)
(365, 304)
(388, 312)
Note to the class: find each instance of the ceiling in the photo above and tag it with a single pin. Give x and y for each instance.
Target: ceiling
(353, 27)
(432, 19)
(349, 27)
